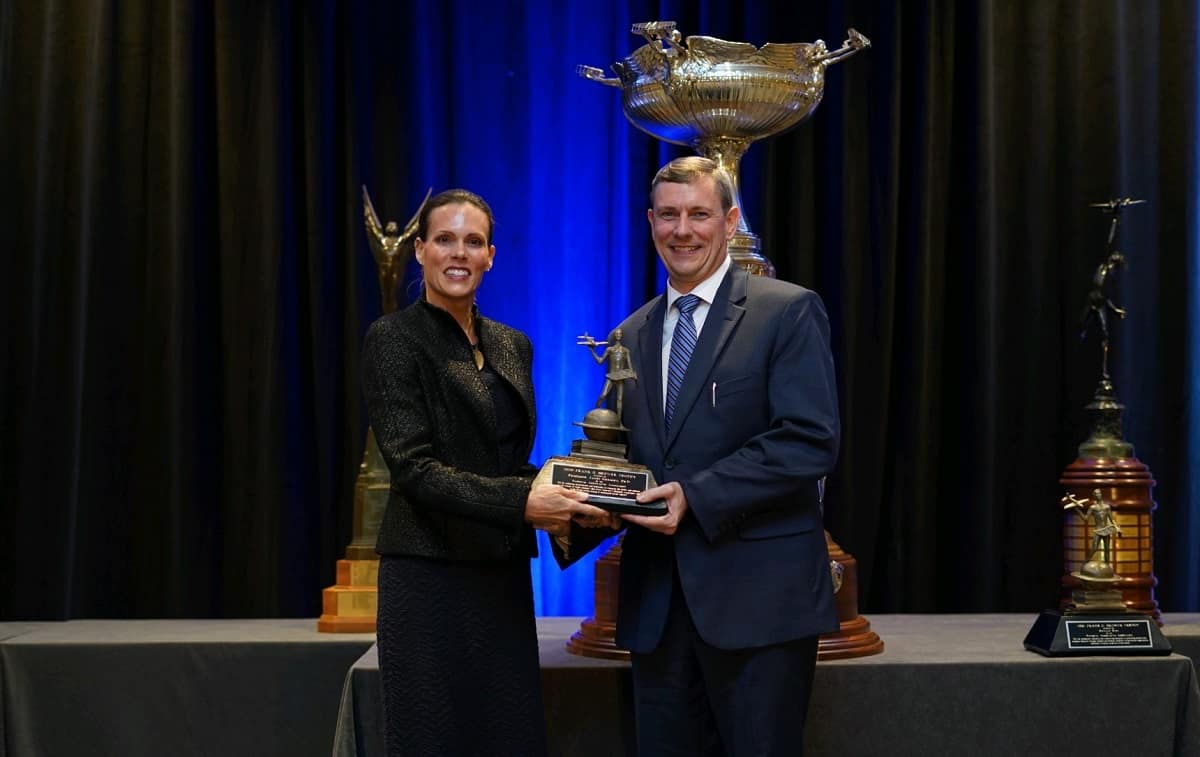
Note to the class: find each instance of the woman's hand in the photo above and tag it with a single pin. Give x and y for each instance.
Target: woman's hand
(551, 508)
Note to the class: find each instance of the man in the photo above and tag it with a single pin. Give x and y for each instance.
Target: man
(722, 598)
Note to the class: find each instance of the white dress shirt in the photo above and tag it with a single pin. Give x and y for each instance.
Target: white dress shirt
(706, 290)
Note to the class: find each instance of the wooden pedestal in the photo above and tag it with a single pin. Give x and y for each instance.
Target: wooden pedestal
(1124, 482)
(350, 605)
(596, 636)
(854, 637)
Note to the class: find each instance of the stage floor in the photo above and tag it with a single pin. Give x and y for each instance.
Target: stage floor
(945, 684)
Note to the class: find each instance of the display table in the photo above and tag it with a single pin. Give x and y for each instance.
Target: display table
(945, 684)
(211, 688)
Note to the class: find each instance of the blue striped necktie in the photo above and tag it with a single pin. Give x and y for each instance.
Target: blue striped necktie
(682, 343)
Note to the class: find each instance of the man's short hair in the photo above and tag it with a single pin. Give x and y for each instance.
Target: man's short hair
(688, 169)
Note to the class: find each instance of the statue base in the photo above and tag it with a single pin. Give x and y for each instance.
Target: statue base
(1097, 600)
(1082, 632)
(596, 636)
(350, 605)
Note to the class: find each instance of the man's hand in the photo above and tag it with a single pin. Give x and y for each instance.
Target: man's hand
(551, 508)
(677, 505)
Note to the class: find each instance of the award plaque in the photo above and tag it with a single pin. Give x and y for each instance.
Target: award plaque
(612, 487)
(598, 464)
(1078, 634)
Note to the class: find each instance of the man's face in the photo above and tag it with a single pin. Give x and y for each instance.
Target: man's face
(691, 231)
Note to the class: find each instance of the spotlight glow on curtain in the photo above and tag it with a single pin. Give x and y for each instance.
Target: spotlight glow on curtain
(552, 154)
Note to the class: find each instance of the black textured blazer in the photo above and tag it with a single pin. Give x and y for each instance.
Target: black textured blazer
(435, 424)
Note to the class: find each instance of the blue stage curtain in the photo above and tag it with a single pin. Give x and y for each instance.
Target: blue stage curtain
(493, 104)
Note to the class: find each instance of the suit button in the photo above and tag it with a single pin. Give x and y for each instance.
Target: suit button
(669, 463)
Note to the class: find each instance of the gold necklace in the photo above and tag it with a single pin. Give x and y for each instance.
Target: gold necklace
(475, 351)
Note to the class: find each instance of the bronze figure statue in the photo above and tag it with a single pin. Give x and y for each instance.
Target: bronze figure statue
(1099, 303)
(390, 247)
(620, 368)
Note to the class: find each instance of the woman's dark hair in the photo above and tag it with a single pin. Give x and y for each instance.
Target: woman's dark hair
(454, 197)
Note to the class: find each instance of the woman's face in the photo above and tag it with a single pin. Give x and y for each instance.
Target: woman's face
(455, 255)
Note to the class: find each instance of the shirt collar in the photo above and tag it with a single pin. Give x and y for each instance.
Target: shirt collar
(706, 290)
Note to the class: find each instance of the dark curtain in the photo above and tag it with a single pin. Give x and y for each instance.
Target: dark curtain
(939, 201)
(185, 277)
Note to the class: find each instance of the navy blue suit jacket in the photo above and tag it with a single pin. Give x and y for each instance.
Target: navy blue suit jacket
(755, 429)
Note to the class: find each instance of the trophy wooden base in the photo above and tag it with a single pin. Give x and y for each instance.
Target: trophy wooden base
(1126, 483)
(351, 604)
(1081, 634)
(596, 639)
(854, 637)
(596, 636)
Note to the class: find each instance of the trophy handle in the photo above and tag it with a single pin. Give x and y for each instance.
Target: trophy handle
(659, 31)
(596, 75)
(855, 41)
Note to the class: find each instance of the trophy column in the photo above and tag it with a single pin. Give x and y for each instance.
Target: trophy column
(1106, 463)
(350, 605)
(596, 636)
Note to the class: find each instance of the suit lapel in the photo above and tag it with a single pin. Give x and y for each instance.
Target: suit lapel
(649, 366)
(723, 317)
(502, 354)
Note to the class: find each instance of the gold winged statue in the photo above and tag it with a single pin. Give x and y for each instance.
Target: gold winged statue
(391, 249)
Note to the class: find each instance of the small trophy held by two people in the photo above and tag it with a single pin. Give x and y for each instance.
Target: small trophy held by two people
(598, 463)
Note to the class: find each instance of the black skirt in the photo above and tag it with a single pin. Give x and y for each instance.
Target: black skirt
(458, 658)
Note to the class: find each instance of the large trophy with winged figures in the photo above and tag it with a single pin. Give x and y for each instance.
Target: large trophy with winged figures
(719, 97)
(350, 605)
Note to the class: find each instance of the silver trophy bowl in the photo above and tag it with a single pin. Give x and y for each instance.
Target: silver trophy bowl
(718, 97)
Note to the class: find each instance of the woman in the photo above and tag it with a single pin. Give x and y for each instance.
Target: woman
(450, 397)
